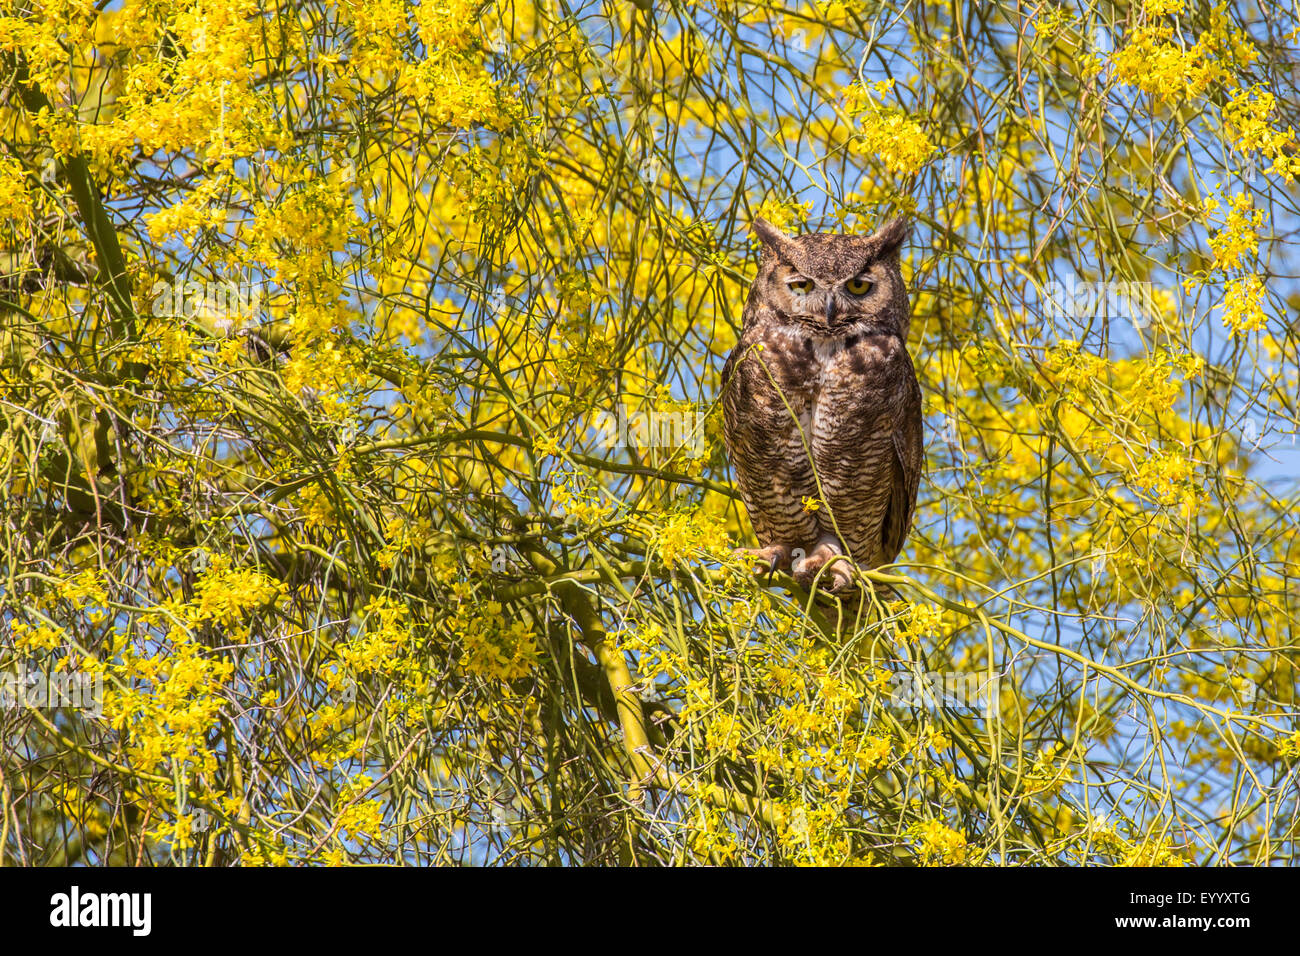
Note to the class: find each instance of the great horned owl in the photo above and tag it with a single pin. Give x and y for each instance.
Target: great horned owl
(822, 410)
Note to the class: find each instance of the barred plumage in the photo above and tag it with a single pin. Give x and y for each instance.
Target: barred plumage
(821, 402)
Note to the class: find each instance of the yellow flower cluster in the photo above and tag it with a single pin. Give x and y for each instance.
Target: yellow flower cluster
(327, 371)
(381, 31)
(387, 633)
(491, 646)
(723, 733)
(1044, 777)
(1235, 243)
(403, 536)
(15, 199)
(782, 213)
(691, 535)
(85, 587)
(921, 621)
(713, 840)
(449, 25)
(429, 406)
(1170, 479)
(29, 640)
(455, 94)
(357, 818)
(584, 504)
(317, 510)
(1051, 21)
(1143, 852)
(1242, 311)
(1239, 236)
(1288, 748)
(1156, 63)
(200, 209)
(168, 704)
(939, 844)
(1247, 125)
(224, 595)
(886, 131)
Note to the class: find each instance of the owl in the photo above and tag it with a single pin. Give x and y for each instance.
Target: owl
(821, 406)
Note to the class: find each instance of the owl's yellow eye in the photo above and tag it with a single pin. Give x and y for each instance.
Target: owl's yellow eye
(800, 285)
(860, 285)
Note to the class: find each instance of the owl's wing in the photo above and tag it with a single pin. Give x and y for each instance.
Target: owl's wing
(767, 450)
(730, 403)
(908, 463)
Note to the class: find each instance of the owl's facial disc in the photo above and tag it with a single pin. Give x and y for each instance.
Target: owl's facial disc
(833, 305)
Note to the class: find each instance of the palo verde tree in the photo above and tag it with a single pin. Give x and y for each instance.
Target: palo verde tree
(360, 447)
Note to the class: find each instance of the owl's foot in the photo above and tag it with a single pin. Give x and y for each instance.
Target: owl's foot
(768, 560)
(827, 567)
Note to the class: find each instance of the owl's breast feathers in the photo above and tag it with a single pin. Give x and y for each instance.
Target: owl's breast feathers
(851, 407)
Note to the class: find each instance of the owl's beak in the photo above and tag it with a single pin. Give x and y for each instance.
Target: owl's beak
(830, 309)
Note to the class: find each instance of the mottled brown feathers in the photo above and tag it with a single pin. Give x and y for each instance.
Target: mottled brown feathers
(821, 402)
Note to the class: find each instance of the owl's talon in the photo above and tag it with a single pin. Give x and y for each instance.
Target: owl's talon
(841, 577)
(837, 578)
(767, 560)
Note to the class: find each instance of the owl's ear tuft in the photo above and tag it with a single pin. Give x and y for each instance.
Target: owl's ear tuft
(888, 238)
(773, 238)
